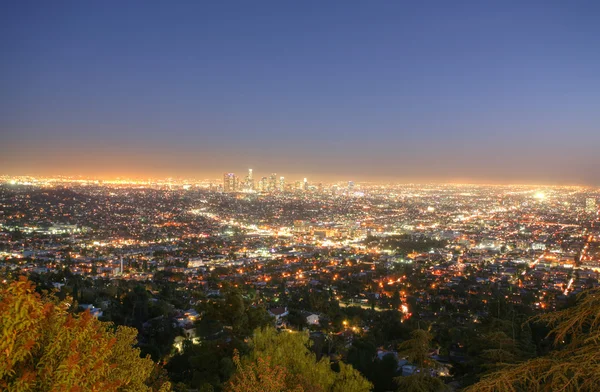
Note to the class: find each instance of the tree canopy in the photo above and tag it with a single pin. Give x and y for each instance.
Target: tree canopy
(416, 352)
(44, 347)
(283, 360)
(573, 364)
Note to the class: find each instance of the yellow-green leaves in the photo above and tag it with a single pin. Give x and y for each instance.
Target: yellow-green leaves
(43, 347)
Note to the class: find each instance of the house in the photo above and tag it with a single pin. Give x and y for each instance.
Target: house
(191, 314)
(279, 313)
(312, 319)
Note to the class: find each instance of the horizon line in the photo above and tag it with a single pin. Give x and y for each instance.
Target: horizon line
(183, 180)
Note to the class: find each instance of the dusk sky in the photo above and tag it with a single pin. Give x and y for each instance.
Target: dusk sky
(481, 91)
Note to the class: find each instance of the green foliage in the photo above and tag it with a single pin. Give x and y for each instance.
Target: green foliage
(258, 376)
(388, 327)
(290, 351)
(573, 364)
(384, 370)
(225, 324)
(204, 366)
(349, 380)
(235, 313)
(43, 347)
(416, 351)
(159, 335)
(420, 383)
(362, 355)
(297, 319)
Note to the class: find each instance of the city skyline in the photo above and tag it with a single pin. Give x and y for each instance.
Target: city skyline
(469, 92)
(26, 179)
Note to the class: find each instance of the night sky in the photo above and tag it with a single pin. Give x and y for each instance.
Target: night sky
(481, 91)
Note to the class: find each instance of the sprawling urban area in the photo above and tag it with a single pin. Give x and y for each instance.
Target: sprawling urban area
(196, 266)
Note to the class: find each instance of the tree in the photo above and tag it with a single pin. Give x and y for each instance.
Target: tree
(158, 336)
(234, 313)
(258, 376)
(362, 355)
(502, 341)
(396, 301)
(290, 351)
(43, 347)
(297, 319)
(384, 370)
(416, 352)
(203, 366)
(571, 366)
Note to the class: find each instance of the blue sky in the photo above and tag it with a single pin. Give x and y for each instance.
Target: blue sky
(495, 91)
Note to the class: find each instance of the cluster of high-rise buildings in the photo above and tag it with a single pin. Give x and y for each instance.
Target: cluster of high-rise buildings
(272, 183)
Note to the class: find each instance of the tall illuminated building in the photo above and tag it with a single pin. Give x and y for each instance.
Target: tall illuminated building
(263, 184)
(350, 186)
(281, 184)
(305, 187)
(229, 182)
(249, 183)
(591, 205)
(273, 182)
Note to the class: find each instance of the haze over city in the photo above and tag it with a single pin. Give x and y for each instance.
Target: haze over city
(505, 92)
